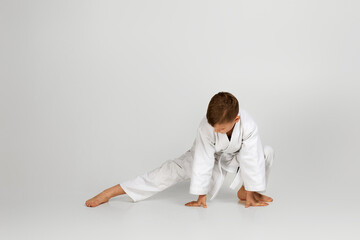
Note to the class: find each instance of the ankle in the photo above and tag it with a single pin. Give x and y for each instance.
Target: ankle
(114, 191)
(108, 193)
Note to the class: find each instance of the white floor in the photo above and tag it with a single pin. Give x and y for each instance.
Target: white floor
(292, 215)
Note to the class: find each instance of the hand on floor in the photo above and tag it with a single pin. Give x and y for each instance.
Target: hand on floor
(200, 202)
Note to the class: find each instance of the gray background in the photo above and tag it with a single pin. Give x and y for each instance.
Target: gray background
(93, 93)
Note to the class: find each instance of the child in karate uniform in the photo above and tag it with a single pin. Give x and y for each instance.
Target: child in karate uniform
(227, 140)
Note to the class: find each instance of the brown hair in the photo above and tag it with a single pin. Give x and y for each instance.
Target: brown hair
(223, 108)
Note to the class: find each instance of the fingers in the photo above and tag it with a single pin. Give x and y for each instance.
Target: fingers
(196, 204)
(192, 203)
(261, 204)
(250, 203)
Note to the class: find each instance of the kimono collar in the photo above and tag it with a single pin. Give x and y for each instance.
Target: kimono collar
(234, 138)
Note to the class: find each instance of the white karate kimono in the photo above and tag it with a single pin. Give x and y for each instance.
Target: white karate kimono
(211, 156)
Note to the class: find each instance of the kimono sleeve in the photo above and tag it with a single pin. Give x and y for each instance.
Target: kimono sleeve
(203, 162)
(252, 161)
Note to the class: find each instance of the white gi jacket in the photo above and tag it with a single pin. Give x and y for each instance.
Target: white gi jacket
(213, 152)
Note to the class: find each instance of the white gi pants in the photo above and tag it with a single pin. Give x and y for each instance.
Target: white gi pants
(174, 171)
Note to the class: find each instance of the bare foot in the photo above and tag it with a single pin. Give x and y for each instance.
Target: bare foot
(261, 197)
(105, 195)
(258, 196)
(102, 197)
(242, 193)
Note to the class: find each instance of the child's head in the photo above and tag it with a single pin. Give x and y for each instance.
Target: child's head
(222, 112)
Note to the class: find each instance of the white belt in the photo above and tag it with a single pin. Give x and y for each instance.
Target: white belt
(236, 179)
(234, 183)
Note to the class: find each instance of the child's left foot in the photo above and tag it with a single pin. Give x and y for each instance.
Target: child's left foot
(258, 196)
(102, 197)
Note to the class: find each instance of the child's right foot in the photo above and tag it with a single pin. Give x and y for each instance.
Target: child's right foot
(102, 197)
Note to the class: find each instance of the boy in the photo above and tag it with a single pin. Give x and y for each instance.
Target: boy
(227, 139)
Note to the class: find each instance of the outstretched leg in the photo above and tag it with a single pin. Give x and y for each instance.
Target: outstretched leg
(105, 195)
(141, 187)
(169, 173)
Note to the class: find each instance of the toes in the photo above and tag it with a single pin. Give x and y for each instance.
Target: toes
(267, 199)
(89, 203)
